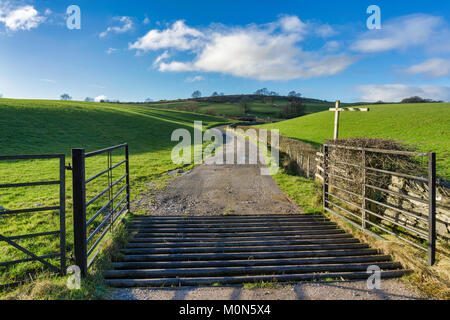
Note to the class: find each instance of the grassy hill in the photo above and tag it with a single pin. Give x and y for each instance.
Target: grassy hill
(424, 126)
(262, 107)
(41, 126)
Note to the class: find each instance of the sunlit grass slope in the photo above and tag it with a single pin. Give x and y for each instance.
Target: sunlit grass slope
(425, 126)
(38, 126)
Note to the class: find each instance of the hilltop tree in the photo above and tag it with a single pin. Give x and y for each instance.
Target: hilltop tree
(294, 94)
(89, 99)
(149, 100)
(65, 96)
(196, 94)
(262, 92)
(215, 94)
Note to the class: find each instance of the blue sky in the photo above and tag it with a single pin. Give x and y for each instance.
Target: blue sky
(133, 50)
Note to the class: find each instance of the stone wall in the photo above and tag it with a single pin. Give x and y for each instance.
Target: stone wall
(419, 190)
(303, 157)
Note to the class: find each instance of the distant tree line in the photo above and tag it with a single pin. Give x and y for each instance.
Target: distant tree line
(417, 99)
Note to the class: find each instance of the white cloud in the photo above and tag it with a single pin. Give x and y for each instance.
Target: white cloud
(195, 78)
(435, 68)
(329, 65)
(111, 50)
(179, 36)
(99, 98)
(126, 24)
(146, 20)
(264, 52)
(325, 30)
(22, 18)
(292, 24)
(401, 33)
(162, 56)
(332, 46)
(397, 92)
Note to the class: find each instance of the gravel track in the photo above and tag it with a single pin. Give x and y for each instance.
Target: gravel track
(211, 190)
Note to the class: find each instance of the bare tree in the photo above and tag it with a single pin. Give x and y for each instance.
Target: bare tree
(294, 94)
(262, 92)
(196, 94)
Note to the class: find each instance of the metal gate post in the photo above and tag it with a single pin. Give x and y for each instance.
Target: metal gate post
(363, 190)
(325, 177)
(79, 209)
(431, 208)
(62, 212)
(127, 164)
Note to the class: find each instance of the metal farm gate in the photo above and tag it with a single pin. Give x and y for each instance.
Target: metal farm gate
(92, 225)
(363, 186)
(92, 218)
(13, 240)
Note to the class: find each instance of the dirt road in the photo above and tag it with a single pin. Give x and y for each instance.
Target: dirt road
(241, 189)
(217, 189)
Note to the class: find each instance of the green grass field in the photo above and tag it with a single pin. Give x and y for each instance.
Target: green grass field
(425, 127)
(37, 127)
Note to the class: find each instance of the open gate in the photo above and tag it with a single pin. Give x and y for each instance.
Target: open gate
(91, 224)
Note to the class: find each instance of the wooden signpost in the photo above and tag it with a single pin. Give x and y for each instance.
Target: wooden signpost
(337, 109)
